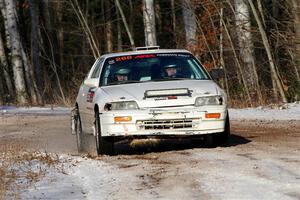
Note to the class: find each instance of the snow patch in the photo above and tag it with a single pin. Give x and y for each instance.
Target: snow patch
(34, 110)
(289, 111)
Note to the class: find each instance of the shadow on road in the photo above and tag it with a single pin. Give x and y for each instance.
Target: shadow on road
(236, 140)
(148, 146)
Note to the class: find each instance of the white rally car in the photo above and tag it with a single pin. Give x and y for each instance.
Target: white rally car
(145, 93)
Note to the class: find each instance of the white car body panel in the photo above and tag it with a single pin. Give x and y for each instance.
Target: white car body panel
(154, 110)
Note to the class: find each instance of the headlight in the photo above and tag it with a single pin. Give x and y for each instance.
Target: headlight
(124, 105)
(210, 100)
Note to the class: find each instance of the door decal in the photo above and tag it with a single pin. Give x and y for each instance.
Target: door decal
(90, 95)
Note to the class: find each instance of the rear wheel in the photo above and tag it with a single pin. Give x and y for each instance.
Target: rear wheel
(104, 145)
(77, 128)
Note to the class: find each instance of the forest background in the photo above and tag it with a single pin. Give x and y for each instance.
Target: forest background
(48, 46)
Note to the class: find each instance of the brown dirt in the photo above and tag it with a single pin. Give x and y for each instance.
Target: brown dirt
(261, 157)
(52, 134)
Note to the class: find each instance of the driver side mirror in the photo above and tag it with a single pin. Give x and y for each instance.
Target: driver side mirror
(92, 82)
(217, 74)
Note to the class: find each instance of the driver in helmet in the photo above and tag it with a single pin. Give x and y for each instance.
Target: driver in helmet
(122, 74)
(171, 71)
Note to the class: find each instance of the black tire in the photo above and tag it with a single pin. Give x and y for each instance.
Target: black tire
(222, 138)
(78, 131)
(209, 140)
(104, 145)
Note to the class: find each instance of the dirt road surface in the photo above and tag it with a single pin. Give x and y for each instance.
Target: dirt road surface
(261, 161)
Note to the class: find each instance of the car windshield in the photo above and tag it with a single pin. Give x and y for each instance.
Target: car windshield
(151, 67)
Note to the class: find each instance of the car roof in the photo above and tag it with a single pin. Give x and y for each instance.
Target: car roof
(145, 52)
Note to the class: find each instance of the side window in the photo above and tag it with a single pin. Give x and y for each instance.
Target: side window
(97, 68)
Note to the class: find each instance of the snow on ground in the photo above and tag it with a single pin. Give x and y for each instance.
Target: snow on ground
(187, 174)
(289, 111)
(34, 110)
(167, 177)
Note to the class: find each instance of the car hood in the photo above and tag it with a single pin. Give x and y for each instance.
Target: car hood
(136, 91)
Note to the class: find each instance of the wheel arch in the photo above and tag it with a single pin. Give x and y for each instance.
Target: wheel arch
(96, 108)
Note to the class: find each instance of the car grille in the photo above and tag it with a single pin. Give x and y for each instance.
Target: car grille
(166, 123)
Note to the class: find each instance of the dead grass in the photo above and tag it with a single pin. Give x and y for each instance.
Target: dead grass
(20, 169)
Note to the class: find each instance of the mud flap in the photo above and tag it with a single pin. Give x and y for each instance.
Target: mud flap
(89, 145)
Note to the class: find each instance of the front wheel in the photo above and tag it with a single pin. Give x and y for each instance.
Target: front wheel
(216, 139)
(222, 138)
(104, 145)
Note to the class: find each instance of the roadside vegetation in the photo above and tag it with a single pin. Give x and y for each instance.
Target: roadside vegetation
(19, 169)
(47, 48)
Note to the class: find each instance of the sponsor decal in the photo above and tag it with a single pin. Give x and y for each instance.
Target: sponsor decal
(90, 95)
(123, 58)
(173, 54)
(145, 56)
(160, 98)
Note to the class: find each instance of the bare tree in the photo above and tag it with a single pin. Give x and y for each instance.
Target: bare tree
(16, 54)
(125, 23)
(173, 19)
(35, 52)
(246, 48)
(4, 15)
(60, 32)
(36, 77)
(108, 27)
(119, 36)
(267, 46)
(4, 65)
(1, 91)
(295, 7)
(149, 23)
(190, 24)
(91, 38)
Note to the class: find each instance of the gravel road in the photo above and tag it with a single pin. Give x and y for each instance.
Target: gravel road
(261, 161)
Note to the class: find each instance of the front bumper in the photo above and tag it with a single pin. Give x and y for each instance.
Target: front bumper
(186, 121)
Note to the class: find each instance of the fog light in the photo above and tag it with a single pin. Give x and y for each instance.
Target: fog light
(213, 115)
(123, 119)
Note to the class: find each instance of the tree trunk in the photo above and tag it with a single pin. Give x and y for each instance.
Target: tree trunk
(4, 65)
(35, 49)
(269, 53)
(131, 18)
(243, 27)
(125, 24)
(149, 23)
(108, 27)
(295, 6)
(1, 91)
(60, 33)
(119, 45)
(190, 24)
(174, 20)
(3, 11)
(260, 8)
(90, 37)
(30, 79)
(239, 72)
(16, 54)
